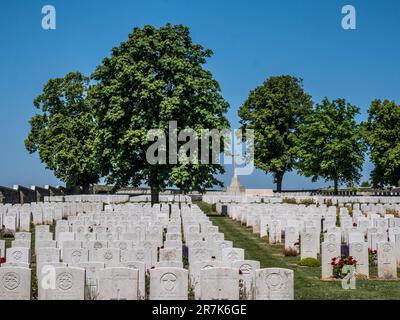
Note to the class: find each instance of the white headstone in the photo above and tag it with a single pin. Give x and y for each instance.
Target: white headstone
(387, 265)
(74, 256)
(69, 284)
(118, 284)
(219, 284)
(47, 255)
(25, 221)
(274, 284)
(308, 245)
(106, 255)
(168, 284)
(247, 276)
(329, 250)
(232, 254)
(15, 283)
(18, 255)
(359, 252)
(141, 267)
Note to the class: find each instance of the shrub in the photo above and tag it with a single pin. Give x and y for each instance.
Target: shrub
(365, 184)
(307, 202)
(354, 189)
(309, 262)
(350, 210)
(393, 212)
(289, 200)
(329, 203)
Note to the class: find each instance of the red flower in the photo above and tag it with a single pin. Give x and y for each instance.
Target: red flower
(333, 264)
(213, 257)
(351, 262)
(350, 258)
(153, 267)
(355, 261)
(334, 259)
(341, 262)
(240, 272)
(2, 260)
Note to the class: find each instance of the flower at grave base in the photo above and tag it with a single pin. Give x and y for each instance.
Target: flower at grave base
(213, 257)
(3, 260)
(333, 263)
(354, 224)
(350, 257)
(240, 272)
(341, 262)
(334, 259)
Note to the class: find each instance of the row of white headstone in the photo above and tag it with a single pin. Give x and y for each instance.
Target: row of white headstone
(356, 202)
(109, 254)
(301, 227)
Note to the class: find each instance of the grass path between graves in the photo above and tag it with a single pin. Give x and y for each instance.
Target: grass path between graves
(307, 283)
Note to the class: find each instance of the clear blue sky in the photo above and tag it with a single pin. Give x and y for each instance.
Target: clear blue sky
(251, 40)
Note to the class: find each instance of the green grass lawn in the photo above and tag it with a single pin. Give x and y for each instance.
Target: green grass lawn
(307, 283)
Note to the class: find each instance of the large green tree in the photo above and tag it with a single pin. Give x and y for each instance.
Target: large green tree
(275, 111)
(155, 77)
(330, 145)
(382, 133)
(63, 132)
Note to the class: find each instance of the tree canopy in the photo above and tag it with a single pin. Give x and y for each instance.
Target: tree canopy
(63, 132)
(330, 144)
(154, 77)
(275, 110)
(382, 134)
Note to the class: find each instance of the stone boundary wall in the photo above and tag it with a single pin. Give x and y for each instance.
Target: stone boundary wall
(8, 195)
(20, 194)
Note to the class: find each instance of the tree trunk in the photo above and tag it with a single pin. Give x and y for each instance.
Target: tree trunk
(278, 180)
(86, 188)
(335, 186)
(154, 189)
(155, 196)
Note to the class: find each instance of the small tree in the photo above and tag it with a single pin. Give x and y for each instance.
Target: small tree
(382, 134)
(275, 111)
(330, 143)
(64, 131)
(365, 184)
